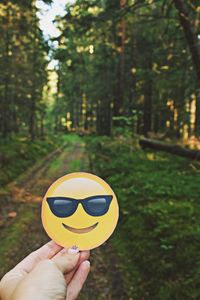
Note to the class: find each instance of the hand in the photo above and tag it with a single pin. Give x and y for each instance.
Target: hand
(49, 273)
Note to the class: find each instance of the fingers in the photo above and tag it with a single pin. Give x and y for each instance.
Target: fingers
(67, 260)
(45, 281)
(84, 255)
(14, 276)
(78, 280)
(49, 250)
(9, 283)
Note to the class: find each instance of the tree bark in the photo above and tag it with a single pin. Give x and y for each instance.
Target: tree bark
(5, 113)
(197, 114)
(147, 110)
(33, 93)
(119, 89)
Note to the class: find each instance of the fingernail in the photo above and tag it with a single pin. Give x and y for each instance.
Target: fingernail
(73, 250)
(87, 262)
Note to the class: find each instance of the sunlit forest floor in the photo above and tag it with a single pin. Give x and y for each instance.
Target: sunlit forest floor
(154, 253)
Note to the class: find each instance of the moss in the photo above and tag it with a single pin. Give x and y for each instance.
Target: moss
(13, 234)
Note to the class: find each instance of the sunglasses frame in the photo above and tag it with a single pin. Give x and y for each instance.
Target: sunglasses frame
(76, 202)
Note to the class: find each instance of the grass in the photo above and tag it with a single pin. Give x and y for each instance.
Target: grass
(12, 235)
(158, 236)
(17, 155)
(72, 165)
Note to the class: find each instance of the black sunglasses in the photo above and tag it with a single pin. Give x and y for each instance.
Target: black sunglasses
(63, 207)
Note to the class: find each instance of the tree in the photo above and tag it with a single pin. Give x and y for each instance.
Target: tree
(191, 35)
(23, 53)
(125, 59)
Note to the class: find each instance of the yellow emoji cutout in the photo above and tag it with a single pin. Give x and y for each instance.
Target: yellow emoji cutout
(80, 209)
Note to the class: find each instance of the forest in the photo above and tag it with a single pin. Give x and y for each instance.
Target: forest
(136, 64)
(122, 101)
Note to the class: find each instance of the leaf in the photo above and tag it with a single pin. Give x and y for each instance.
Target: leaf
(12, 214)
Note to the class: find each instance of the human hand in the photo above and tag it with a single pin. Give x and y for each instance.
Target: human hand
(49, 273)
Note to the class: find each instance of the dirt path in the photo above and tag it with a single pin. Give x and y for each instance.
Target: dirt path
(23, 232)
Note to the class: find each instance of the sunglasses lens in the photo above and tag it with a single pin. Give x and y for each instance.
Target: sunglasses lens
(62, 207)
(97, 206)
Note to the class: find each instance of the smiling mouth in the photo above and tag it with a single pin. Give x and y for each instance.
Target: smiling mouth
(80, 230)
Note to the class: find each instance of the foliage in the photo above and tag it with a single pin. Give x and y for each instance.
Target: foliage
(123, 56)
(23, 60)
(158, 236)
(117, 59)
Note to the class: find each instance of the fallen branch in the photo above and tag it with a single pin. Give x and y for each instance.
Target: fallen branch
(173, 149)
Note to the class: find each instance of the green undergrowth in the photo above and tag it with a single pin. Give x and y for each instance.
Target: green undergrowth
(16, 155)
(158, 236)
(14, 235)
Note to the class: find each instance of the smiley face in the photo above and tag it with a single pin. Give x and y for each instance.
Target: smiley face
(80, 209)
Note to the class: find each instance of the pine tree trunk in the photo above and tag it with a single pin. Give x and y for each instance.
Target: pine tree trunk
(119, 90)
(192, 41)
(6, 80)
(147, 114)
(33, 94)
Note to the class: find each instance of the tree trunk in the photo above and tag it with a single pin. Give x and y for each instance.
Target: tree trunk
(197, 114)
(173, 149)
(147, 114)
(6, 79)
(119, 89)
(192, 41)
(104, 118)
(156, 121)
(147, 108)
(33, 94)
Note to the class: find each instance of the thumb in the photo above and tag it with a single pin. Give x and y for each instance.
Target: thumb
(67, 259)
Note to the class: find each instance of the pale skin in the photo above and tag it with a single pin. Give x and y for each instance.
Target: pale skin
(49, 273)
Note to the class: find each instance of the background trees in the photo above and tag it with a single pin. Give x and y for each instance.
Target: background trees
(119, 62)
(23, 64)
(130, 59)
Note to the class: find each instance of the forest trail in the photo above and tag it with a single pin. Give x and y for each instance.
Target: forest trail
(23, 231)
